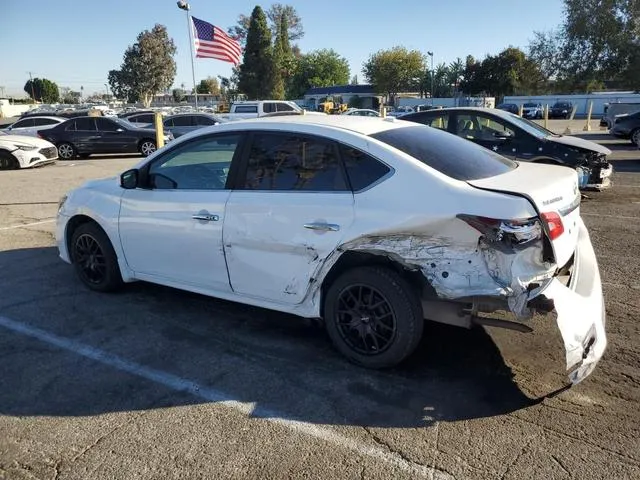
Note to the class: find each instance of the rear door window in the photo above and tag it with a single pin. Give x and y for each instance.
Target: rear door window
(455, 157)
(85, 124)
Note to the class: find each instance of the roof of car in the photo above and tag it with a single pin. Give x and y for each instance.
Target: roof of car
(355, 123)
(48, 117)
(494, 111)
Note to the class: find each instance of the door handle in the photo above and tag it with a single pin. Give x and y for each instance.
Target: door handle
(327, 227)
(206, 217)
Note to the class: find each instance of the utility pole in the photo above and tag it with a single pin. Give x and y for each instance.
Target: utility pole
(432, 75)
(182, 5)
(33, 95)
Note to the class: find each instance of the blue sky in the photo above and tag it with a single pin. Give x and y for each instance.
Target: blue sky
(75, 42)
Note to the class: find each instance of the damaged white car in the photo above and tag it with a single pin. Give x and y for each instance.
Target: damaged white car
(372, 224)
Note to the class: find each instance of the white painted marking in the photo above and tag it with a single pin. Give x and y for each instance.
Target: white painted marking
(604, 215)
(12, 227)
(185, 385)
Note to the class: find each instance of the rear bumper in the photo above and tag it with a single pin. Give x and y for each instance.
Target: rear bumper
(580, 309)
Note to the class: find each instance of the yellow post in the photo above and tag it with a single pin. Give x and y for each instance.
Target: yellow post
(587, 126)
(383, 111)
(159, 130)
(573, 111)
(520, 110)
(546, 115)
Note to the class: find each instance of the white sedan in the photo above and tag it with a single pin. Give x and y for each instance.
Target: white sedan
(372, 224)
(31, 125)
(21, 151)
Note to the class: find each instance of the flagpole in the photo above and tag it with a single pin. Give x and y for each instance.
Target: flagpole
(186, 7)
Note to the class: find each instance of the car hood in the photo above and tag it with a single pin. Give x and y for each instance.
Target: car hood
(24, 140)
(580, 143)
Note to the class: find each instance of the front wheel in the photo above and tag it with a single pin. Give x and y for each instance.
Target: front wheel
(635, 137)
(373, 317)
(8, 161)
(147, 147)
(94, 258)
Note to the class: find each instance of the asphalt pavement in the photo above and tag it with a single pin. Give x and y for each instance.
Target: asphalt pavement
(156, 383)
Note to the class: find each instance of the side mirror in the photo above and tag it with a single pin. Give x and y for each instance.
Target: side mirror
(129, 179)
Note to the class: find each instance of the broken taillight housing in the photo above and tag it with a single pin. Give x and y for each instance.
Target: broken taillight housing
(553, 224)
(514, 232)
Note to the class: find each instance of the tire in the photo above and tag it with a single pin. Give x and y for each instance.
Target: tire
(147, 147)
(66, 151)
(635, 137)
(94, 258)
(8, 161)
(376, 343)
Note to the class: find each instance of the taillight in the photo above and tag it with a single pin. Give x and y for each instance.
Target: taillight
(553, 224)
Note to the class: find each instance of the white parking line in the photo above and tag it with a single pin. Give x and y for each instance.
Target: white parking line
(12, 227)
(210, 395)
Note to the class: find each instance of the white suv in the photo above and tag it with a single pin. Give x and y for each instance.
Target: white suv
(371, 224)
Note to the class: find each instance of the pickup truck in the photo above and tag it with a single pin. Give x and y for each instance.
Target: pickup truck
(259, 108)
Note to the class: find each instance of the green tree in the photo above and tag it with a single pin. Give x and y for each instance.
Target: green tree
(285, 61)
(275, 14)
(256, 73)
(209, 86)
(395, 70)
(319, 68)
(178, 95)
(43, 90)
(148, 67)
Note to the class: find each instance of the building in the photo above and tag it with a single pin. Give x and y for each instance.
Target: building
(366, 93)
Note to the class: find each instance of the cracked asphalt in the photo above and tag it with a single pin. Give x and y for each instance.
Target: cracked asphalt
(154, 383)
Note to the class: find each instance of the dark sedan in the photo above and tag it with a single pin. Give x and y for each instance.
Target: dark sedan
(83, 136)
(183, 123)
(627, 126)
(509, 107)
(560, 110)
(520, 139)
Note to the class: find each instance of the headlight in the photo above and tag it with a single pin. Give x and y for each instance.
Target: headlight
(26, 148)
(61, 202)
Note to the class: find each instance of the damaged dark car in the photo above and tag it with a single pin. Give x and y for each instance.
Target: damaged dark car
(520, 139)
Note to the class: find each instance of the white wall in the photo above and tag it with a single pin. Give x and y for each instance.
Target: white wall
(488, 102)
(13, 110)
(582, 101)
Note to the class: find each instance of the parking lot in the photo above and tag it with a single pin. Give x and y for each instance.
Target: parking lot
(158, 383)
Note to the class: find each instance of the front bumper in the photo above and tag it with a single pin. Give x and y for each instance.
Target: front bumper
(32, 158)
(61, 228)
(599, 177)
(580, 309)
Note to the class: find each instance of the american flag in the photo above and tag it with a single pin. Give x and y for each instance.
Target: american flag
(213, 42)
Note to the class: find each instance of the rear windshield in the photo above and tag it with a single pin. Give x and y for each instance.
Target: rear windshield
(451, 155)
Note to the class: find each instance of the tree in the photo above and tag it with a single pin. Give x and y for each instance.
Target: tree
(257, 68)
(70, 97)
(42, 89)
(209, 86)
(178, 95)
(284, 61)
(275, 14)
(395, 70)
(148, 67)
(354, 80)
(598, 40)
(319, 68)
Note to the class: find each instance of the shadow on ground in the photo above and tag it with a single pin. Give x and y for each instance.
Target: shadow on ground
(283, 364)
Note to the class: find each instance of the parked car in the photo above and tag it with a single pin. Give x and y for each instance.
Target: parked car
(509, 107)
(561, 110)
(141, 119)
(83, 136)
(362, 112)
(22, 151)
(371, 224)
(129, 112)
(627, 126)
(614, 110)
(523, 140)
(30, 125)
(183, 123)
(532, 110)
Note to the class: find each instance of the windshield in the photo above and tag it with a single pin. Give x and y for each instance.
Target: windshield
(530, 127)
(447, 153)
(529, 105)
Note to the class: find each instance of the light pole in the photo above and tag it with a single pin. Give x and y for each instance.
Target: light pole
(182, 5)
(107, 87)
(432, 75)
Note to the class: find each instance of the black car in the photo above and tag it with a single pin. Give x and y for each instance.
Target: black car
(183, 123)
(83, 136)
(561, 110)
(520, 139)
(509, 107)
(628, 127)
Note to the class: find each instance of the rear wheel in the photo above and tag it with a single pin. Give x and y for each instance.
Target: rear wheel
(66, 151)
(8, 161)
(373, 316)
(147, 147)
(635, 137)
(94, 258)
